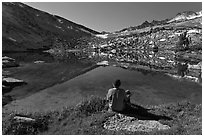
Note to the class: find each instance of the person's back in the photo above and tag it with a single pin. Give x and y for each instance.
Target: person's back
(117, 102)
(116, 97)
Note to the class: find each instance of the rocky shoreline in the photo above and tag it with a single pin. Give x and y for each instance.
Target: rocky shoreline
(8, 83)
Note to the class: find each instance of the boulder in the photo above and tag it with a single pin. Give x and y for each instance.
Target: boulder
(12, 82)
(122, 122)
(8, 58)
(113, 51)
(162, 40)
(197, 66)
(103, 63)
(23, 119)
(162, 58)
(9, 62)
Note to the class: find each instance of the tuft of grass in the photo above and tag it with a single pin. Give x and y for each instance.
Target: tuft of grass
(91, 105)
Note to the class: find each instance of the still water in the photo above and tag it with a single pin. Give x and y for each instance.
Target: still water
(147, 88)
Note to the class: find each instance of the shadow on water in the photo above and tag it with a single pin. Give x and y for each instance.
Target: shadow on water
(8, 86)
(142, 113)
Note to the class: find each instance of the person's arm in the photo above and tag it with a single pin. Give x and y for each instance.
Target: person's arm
(124, 95)
(109, 95)
(126, 98)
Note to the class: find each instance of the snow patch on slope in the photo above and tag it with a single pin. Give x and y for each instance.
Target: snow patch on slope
(186, 17)
(104, 36)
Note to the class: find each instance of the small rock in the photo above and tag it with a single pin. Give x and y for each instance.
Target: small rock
(124, 66)
(12, 82)
(181, 113)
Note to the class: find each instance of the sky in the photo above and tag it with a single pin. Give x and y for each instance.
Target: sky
(114, 16)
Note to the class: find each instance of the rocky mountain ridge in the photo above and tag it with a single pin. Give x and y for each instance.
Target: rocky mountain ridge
(180, 17)
(25, 28)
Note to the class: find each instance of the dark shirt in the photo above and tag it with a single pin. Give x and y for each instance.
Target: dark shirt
(116, 98)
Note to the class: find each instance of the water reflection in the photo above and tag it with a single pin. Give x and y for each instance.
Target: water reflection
(162, 58)
(144, 55)
(28, 57)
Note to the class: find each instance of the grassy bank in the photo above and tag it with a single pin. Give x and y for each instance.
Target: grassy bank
(89, 116)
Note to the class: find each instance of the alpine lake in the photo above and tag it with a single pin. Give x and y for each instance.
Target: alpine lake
(65, 80)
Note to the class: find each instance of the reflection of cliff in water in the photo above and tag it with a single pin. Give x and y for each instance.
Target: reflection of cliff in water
(27, 57)
(161, 59)
(164, 59)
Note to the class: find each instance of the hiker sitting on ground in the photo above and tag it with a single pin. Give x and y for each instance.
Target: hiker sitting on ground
(117, 97)
(128, 95)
